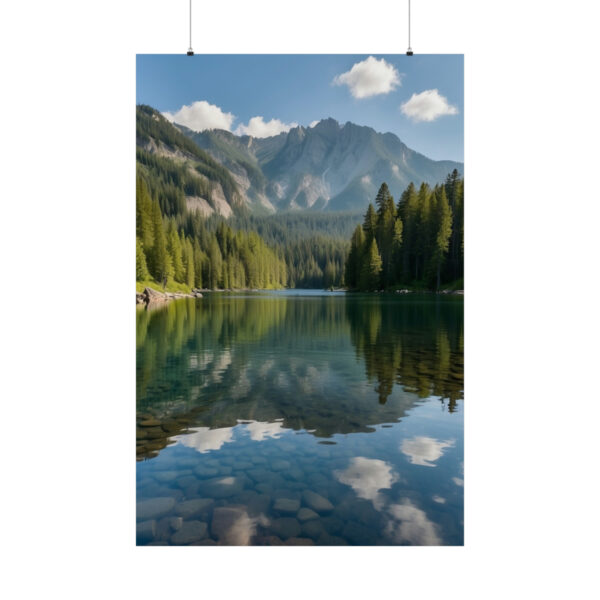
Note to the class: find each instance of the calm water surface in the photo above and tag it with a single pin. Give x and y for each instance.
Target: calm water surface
(300, 417)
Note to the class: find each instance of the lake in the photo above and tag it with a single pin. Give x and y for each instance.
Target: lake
(300, 417)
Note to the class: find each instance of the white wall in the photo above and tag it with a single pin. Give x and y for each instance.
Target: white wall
(532, 320)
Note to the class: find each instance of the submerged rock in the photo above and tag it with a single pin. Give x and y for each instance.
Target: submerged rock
(203, 471)
(145, 531)
(222, 487)
(306, 514)
(185, 481)
(154, 508)
(191, 531)
(286, 527)
(165, 476)
(286, 505)
(332, 524)
(193, 508)
(313, 529)
(280, 464)
(357, 534)
(317, 502)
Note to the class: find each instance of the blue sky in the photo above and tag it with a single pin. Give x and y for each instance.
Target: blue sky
(419, 98)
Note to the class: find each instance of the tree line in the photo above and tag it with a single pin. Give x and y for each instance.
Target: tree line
(416, 243)
(168, 252)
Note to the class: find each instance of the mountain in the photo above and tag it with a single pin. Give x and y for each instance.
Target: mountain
(179, 173)
(328, 167)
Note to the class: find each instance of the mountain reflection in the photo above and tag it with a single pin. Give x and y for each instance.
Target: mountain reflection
(279, 362)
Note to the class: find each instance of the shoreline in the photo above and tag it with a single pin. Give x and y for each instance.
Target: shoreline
(152, 296)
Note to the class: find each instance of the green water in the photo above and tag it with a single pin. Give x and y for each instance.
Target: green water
(300, 417)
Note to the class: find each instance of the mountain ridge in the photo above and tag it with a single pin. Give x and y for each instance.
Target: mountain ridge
(326, 167)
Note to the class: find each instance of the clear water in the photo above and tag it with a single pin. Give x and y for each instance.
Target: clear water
(300, 418)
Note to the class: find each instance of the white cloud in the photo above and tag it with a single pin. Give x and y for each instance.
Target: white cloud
(369, 77)
(259, 128)
(427, 106)
(424, 451)
(314, 123)
(366, 476)
(201, 115)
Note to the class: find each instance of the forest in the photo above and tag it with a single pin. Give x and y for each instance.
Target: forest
(178, 257)
(417, 244)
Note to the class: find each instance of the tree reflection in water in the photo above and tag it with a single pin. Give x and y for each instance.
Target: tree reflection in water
(277, 358)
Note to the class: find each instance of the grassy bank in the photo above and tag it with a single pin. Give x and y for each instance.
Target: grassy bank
(171, 286)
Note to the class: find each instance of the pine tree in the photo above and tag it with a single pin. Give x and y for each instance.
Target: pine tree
(408, 209)
(141, 269)
(144, 227)
(353, 263)
(386, 216)
(370, 223)
(162, 268)
(443, 226)
(423, 230)
(455, 192)
(190, 272)
(198, 264)
(371, 268)
(215, 264)
(174, 249)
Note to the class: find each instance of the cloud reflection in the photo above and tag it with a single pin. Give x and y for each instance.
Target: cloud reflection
(366, 476)
(260, 431)
(406, 523)
(234, 527)
(204, 439)
(411, 526)
(423, 450)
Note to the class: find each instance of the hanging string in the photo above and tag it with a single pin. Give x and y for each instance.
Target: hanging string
(190, 52)
(409, 52)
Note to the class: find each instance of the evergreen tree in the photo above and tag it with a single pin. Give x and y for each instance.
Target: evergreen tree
(198, 264)
(413, 242)
(174, 249)
(354, 261)
(423, 230)
(370, 223)
(386, 216)
(141, 269)
(190, 271)
(408, 209)
(397, 250)
(371, 268)
(454, 191)
(443, 225)
(215, 263)
(144, 227)
(162, 268)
